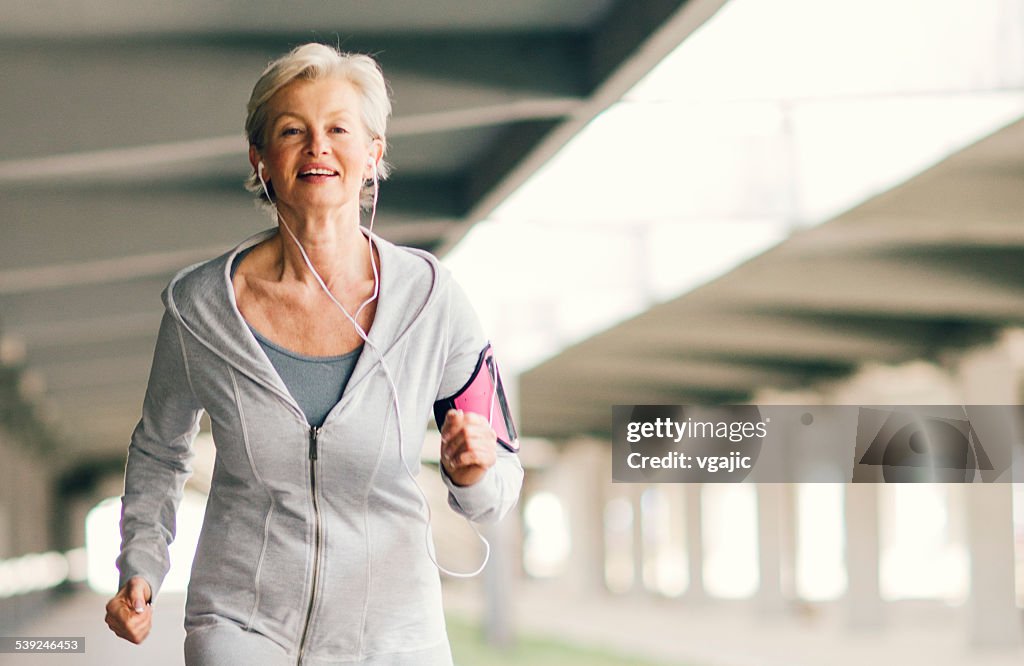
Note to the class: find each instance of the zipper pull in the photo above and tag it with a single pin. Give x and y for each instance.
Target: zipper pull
(313, 432)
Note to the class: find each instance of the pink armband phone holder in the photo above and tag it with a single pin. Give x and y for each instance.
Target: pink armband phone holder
(483, 394)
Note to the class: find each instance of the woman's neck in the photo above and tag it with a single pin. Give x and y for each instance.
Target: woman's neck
(333, 242)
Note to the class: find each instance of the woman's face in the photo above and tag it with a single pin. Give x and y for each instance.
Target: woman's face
(316, 147)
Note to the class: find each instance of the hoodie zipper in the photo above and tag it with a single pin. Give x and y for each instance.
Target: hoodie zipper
(314, 432)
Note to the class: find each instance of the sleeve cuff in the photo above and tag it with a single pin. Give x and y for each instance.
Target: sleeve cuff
(132, 567)
(472, 500)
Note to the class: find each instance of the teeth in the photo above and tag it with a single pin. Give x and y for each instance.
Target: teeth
(317, 172)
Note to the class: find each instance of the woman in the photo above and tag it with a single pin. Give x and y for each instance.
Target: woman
(313, 548)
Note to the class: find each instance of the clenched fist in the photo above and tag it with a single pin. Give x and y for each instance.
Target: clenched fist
(129, 612)
(468, 446)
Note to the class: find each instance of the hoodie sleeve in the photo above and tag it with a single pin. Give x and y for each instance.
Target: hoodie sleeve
(159, 462)
(493, 496)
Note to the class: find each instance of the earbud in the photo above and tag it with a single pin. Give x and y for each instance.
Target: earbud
(260, 169)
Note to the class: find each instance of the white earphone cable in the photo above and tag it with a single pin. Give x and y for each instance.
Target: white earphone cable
(384, 367)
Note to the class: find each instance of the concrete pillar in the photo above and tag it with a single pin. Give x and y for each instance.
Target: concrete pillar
(775, 519)
(694, 543)
(20, 484)
(989, 376)
(499, 625)
(636, 492)
(863, 601)
(769, 594)
(584, 491)
(78, 509)
(504, 537)
(6, 505)
(788, 535)
(993, 620)
(25, 500)
(39, 488)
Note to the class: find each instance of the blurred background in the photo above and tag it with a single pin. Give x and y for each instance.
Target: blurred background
(649, 201)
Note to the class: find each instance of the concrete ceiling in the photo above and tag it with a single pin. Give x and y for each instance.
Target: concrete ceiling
(122, 157)
(933, 264)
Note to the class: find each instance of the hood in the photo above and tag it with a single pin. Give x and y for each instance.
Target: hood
(201, 298)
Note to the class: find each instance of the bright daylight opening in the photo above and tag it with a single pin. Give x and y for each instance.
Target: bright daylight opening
(923, 545)
(729, 533)
(546, 539)
(663, 515)
(103, 537)
(702, 166)
(820, 560)
(103, 542)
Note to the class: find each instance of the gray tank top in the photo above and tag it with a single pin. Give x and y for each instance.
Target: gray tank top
(316, 382)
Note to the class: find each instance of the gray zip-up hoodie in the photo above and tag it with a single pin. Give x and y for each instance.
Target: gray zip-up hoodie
(313, 537)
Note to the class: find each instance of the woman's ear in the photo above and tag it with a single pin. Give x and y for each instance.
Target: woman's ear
(373, 159)
(254, 160)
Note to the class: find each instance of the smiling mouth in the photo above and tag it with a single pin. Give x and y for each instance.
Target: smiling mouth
(318, 173)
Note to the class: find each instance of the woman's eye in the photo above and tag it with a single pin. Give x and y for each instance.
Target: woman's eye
(290, 131)
(339, 130)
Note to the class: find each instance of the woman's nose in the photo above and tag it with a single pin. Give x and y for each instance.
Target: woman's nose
(317, 143)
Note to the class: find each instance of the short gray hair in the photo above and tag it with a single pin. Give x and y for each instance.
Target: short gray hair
(313, 62)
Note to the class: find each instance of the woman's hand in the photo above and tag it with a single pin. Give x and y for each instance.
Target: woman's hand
(129, 614)
(468, 446)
